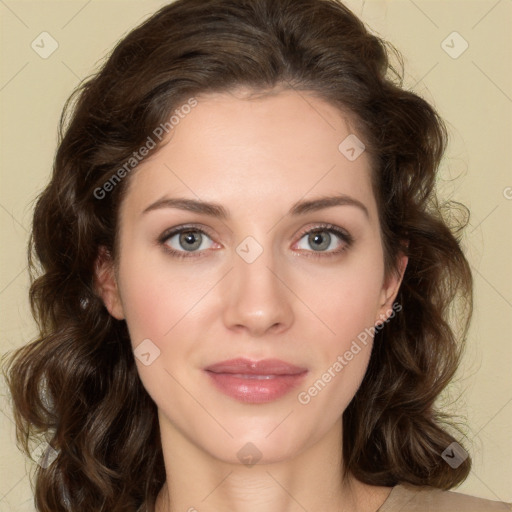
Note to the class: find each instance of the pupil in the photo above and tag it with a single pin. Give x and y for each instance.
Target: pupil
(190, 238)
(321, 241)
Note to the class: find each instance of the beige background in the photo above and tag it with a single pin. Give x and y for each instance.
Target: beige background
(473, 92)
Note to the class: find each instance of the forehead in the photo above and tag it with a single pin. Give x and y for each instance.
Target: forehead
(255, 151)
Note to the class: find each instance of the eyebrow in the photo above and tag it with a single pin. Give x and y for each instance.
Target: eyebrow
(216, 210)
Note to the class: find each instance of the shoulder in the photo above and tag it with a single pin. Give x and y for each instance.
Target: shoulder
(411, 498)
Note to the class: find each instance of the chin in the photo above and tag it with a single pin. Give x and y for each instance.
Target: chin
(267, 443)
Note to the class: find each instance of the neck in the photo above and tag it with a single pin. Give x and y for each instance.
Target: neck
(198, 482)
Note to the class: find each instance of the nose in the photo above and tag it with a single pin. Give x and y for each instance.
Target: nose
(256, 298)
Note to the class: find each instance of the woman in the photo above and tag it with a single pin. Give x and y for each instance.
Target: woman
(246, 276)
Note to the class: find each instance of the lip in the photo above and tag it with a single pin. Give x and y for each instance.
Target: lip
(255, 381)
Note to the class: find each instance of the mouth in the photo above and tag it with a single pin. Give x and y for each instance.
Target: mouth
(255, 381)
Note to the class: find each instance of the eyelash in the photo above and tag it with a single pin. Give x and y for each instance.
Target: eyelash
(343, 235)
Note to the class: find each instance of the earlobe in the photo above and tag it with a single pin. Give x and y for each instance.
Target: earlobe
(390, 290)
(106, 283)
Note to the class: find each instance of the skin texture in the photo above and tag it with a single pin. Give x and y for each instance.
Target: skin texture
(256, 158)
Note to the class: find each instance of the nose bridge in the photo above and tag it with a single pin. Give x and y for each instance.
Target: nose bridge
(256, 299)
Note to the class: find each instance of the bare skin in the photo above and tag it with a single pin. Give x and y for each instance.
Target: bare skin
(256, 158)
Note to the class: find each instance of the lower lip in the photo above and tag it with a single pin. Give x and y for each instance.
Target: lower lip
(255, 390)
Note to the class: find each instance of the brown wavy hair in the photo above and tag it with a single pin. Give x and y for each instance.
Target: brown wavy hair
(77, 385)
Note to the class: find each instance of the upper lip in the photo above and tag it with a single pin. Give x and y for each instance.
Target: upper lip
(264, 367)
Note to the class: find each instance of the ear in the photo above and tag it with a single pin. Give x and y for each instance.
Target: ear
(390, 290)
(106, 283)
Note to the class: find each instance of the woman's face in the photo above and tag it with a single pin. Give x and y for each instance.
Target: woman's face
(262, 270)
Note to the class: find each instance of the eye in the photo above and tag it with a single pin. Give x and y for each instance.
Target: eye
(186, 239)
(190, 241)
(325, 239)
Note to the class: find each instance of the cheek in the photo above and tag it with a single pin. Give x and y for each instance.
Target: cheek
(157, 298)
(347, 309)
(345, 299)
(347, 303)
